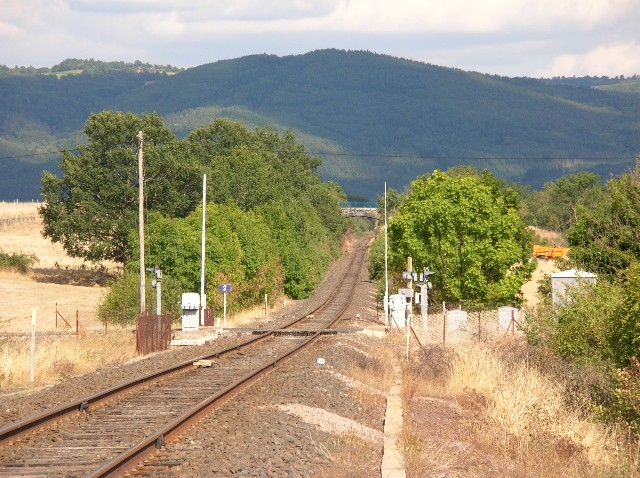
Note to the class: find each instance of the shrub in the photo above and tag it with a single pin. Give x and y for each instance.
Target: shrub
(627, 394)
(20, 262)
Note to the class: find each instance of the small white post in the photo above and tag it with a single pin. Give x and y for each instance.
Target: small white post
(224, 309)
(32, 371)
(266, 308)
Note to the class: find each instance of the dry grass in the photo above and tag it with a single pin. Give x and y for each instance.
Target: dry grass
(372, 368)
(17, 210)
(57, 279)
(504, 418)
(58, 357)
(351, 458)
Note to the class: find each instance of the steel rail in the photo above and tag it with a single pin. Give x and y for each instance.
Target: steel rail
(137, 453)
(40, 420)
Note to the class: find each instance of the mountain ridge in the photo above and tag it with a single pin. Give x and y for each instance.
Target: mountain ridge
(381, 118)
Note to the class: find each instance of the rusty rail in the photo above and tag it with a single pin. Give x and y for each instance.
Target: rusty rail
(156, 439)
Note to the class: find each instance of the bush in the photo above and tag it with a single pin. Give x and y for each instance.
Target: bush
(627, 394)
(124, 299)
(20, 262)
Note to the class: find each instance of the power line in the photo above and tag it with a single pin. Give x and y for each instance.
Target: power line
(398, 156)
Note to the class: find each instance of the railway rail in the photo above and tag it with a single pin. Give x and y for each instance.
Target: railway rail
(111, 431)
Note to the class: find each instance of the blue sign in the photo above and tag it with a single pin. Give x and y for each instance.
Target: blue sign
(224, 288)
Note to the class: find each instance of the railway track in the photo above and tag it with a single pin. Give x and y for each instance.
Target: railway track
(111, 431)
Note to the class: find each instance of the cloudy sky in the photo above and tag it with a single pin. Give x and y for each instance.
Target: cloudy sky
(537, 38)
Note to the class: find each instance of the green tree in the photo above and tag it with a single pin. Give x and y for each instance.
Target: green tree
(555, 206)
(394, 200)
(624, 333)
(305, 246)
(468, 229)
(606, 236)
(92, 209)
(252, 167)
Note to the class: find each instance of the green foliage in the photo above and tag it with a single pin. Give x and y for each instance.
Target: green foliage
(606, 236)
(555, 206)
(624, 336)
(93, 207)
(360, 226)
(305, 245)
(365, 112)
(121, 305)
(275, 225)
(580, 330)
(17, 261)
(598, 323)
(467, 229)
(394, 200)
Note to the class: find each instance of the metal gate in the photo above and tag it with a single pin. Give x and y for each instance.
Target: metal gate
(153, 333)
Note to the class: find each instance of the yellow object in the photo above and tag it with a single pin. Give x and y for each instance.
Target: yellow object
(549, 252)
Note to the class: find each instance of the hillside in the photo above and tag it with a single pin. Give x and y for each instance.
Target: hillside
(371, 118)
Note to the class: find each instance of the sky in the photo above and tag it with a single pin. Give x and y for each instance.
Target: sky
(534, 38)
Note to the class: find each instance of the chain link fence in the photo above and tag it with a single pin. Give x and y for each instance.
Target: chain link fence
(449, 325)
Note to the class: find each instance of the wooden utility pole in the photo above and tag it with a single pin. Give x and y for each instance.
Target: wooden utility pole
(141, 217)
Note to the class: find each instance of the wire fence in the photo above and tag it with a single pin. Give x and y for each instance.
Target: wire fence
(451, 325)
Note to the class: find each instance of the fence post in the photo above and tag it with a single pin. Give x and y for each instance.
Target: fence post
(513, 323)
(444, 324)
(137, 338)
(77, 324)
(479, 328)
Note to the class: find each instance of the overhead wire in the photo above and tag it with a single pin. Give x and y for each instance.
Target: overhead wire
(394, 156)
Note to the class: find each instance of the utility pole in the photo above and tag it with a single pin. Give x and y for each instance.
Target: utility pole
(140, 137)
(409, 309)
(386, 264)
(203, 301)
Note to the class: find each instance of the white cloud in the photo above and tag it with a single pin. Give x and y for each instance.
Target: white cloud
(9, 31)
(521, 37)
(619, 58)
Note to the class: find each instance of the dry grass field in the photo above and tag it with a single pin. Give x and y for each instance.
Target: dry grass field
(55, 279)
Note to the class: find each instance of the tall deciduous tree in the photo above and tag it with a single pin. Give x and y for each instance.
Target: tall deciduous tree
(93, 207)
(468, 229)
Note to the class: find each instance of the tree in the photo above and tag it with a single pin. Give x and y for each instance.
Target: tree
(93, 207)
(394, 200)
(605, 238)
(555, 206)
(468, 229)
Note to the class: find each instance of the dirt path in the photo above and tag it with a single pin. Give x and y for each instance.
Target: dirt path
(530, 289)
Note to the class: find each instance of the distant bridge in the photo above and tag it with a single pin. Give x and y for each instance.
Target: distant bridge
(360, 209)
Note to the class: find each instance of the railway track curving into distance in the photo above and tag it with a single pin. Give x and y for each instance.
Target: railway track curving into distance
(110, 431)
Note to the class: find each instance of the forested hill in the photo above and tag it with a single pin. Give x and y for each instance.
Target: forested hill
(371, 118)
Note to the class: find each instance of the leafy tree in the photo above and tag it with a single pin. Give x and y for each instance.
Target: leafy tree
(555, 206)
(93, 207)
(305, 245)
(468, 229)
(394, 200)
(606, 236)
